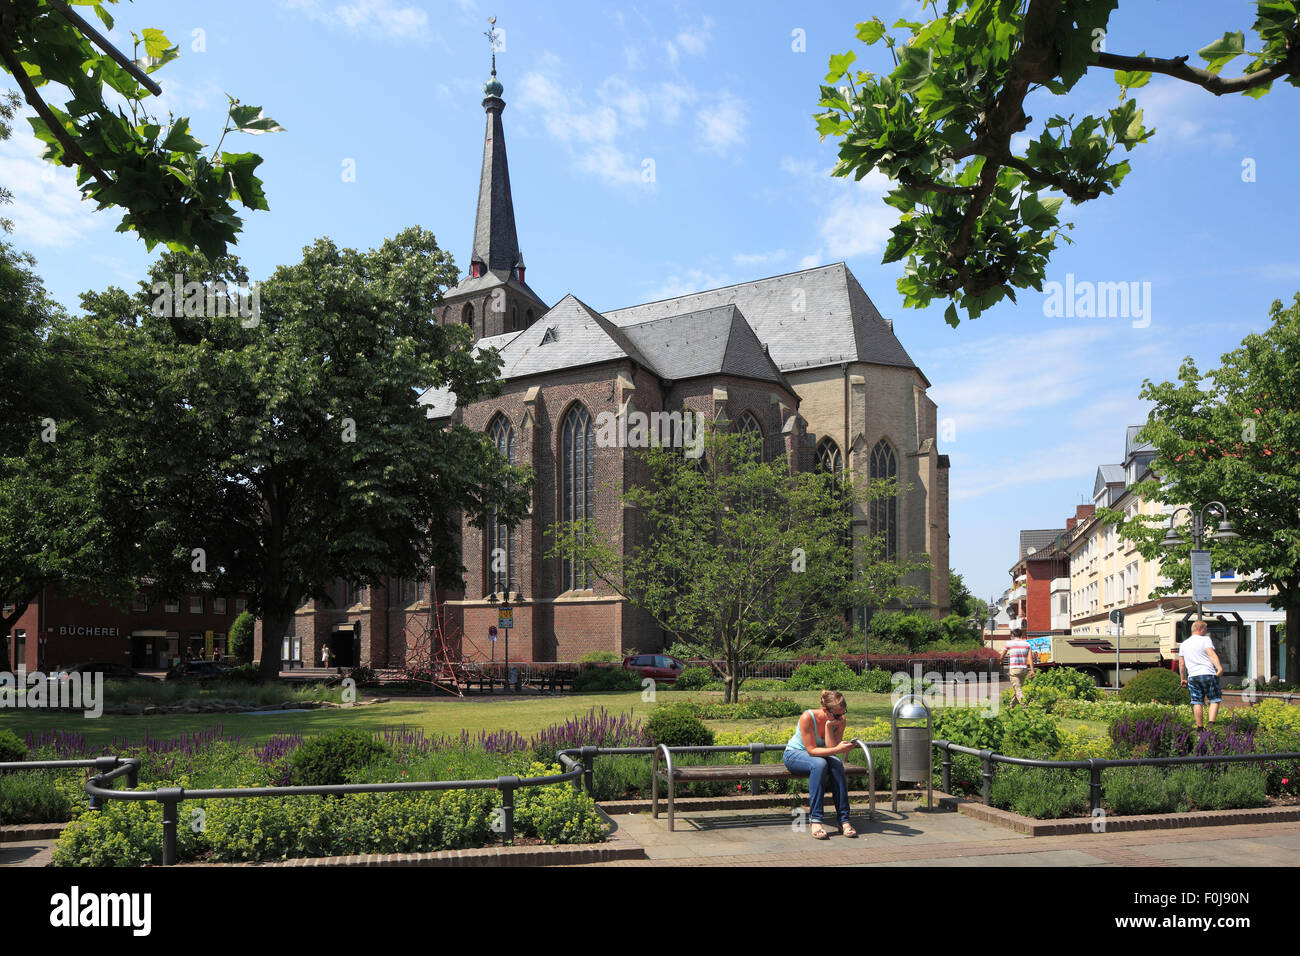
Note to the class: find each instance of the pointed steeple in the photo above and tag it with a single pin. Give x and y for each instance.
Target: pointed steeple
(496, 245)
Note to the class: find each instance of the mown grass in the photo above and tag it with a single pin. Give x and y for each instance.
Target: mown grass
(440, 715)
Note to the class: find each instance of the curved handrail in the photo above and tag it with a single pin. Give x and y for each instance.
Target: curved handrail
(871, 774)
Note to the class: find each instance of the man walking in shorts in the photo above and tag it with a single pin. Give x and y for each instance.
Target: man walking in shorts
(1020, 661)
(1199, 666)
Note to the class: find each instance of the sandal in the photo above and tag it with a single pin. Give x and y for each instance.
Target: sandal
(819, 832)
(846, 829)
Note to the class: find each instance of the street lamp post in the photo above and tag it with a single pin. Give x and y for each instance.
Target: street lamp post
(1197, 516)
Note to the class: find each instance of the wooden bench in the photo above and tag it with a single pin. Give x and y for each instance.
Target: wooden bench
(754, 772)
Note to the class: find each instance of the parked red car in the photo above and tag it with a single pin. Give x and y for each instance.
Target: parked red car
(661, 667)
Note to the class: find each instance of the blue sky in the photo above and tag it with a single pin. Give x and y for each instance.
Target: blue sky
(717, 96)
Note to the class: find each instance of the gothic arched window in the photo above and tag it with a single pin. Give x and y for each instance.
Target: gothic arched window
(577, 484)
(467, 314)
(829, 459)
(884, 511)
(500, 551)
(749, 427)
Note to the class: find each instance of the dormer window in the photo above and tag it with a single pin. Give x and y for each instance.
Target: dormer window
(476, 269)
(549, 335)
(521, 273)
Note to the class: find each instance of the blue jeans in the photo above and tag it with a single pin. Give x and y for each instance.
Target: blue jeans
(801, 762)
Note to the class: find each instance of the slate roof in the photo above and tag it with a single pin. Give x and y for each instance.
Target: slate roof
(838, 322)
(1131, 444)
(496, 244)
(492, 280)
(572, 334)
(710, 342)
(1039, 540)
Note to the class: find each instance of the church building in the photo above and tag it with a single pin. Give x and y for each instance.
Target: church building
(804, 359)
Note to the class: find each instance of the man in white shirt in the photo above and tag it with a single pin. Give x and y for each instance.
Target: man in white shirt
(1199, 665)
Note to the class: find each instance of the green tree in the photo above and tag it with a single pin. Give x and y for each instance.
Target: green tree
(965, 604)
(286, 450)
(154, 170)
(977, 220)
(1232, 434)
(66, 519)
(735, 557)
(240, 639)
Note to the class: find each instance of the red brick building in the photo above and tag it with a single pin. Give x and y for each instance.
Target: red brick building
(58, 631)
(805, 360)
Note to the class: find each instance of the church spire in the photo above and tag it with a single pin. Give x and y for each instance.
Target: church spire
(496, 246)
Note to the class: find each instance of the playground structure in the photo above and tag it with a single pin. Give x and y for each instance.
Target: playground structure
(435, 654)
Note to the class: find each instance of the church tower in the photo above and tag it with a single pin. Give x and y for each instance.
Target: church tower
(493, 297)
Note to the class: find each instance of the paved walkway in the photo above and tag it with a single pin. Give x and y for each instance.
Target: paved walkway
(917, 837)
(26, 853)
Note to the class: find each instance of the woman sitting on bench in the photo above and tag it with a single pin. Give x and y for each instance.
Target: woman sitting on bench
(812, 750)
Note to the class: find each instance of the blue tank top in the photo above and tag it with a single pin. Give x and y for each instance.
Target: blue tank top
(796, 742)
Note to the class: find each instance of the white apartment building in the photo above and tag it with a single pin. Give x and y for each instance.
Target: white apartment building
(1107, 573)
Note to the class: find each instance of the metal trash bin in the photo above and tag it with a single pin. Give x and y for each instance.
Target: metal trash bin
(912, 747)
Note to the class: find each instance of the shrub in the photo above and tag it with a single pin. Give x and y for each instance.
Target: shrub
(244, 674)
(1274, 715)
(333, 757)
(677, 728)
(967, 727)
(12, 749)
(1155, 684)
(693, 678)
(621, 777)
(1068, 682)
(1029, 734)
(877, 681)
(1283, 775)
(34, 797)
(824, 675)
(1129, 790)
(240, 641)
(1083, 743)
(909, 629)
(591, 679)
(269, 828)
(463, 818)
(600, 657)
(557, 814)
(1040, 792)
(124, 833)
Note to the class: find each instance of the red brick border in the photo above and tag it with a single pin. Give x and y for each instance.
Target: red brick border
(1118, 824)
(20, 832)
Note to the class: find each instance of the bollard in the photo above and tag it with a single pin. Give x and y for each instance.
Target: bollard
(1094, 784)
(508, 785)
(589, 768)
(170, 798)
(986, 791)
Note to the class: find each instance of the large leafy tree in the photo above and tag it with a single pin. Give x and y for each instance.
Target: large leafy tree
(286, 450)
(736, 557)
(1232, 434)
(171, 191)
(65, 519)
(964, 603)
(979, 220)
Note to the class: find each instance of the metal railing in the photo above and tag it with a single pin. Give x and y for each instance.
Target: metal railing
(125, 766)
(1094, 765)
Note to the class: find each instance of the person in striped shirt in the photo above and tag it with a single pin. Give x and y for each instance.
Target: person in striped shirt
(1020, 660)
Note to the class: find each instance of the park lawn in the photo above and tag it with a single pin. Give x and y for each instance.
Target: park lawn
(434, 716)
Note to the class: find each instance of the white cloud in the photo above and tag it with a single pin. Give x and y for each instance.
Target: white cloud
(47, 207)
(1182, 114)
(385, 18)
(692, 41)
(692, 280)
(721, 125)
(598, 134)
(759, 258)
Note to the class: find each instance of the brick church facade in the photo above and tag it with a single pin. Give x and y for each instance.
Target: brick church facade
(804, 358)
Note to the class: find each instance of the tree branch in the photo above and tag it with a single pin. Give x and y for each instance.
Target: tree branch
(1179, 70)
(70, 146)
